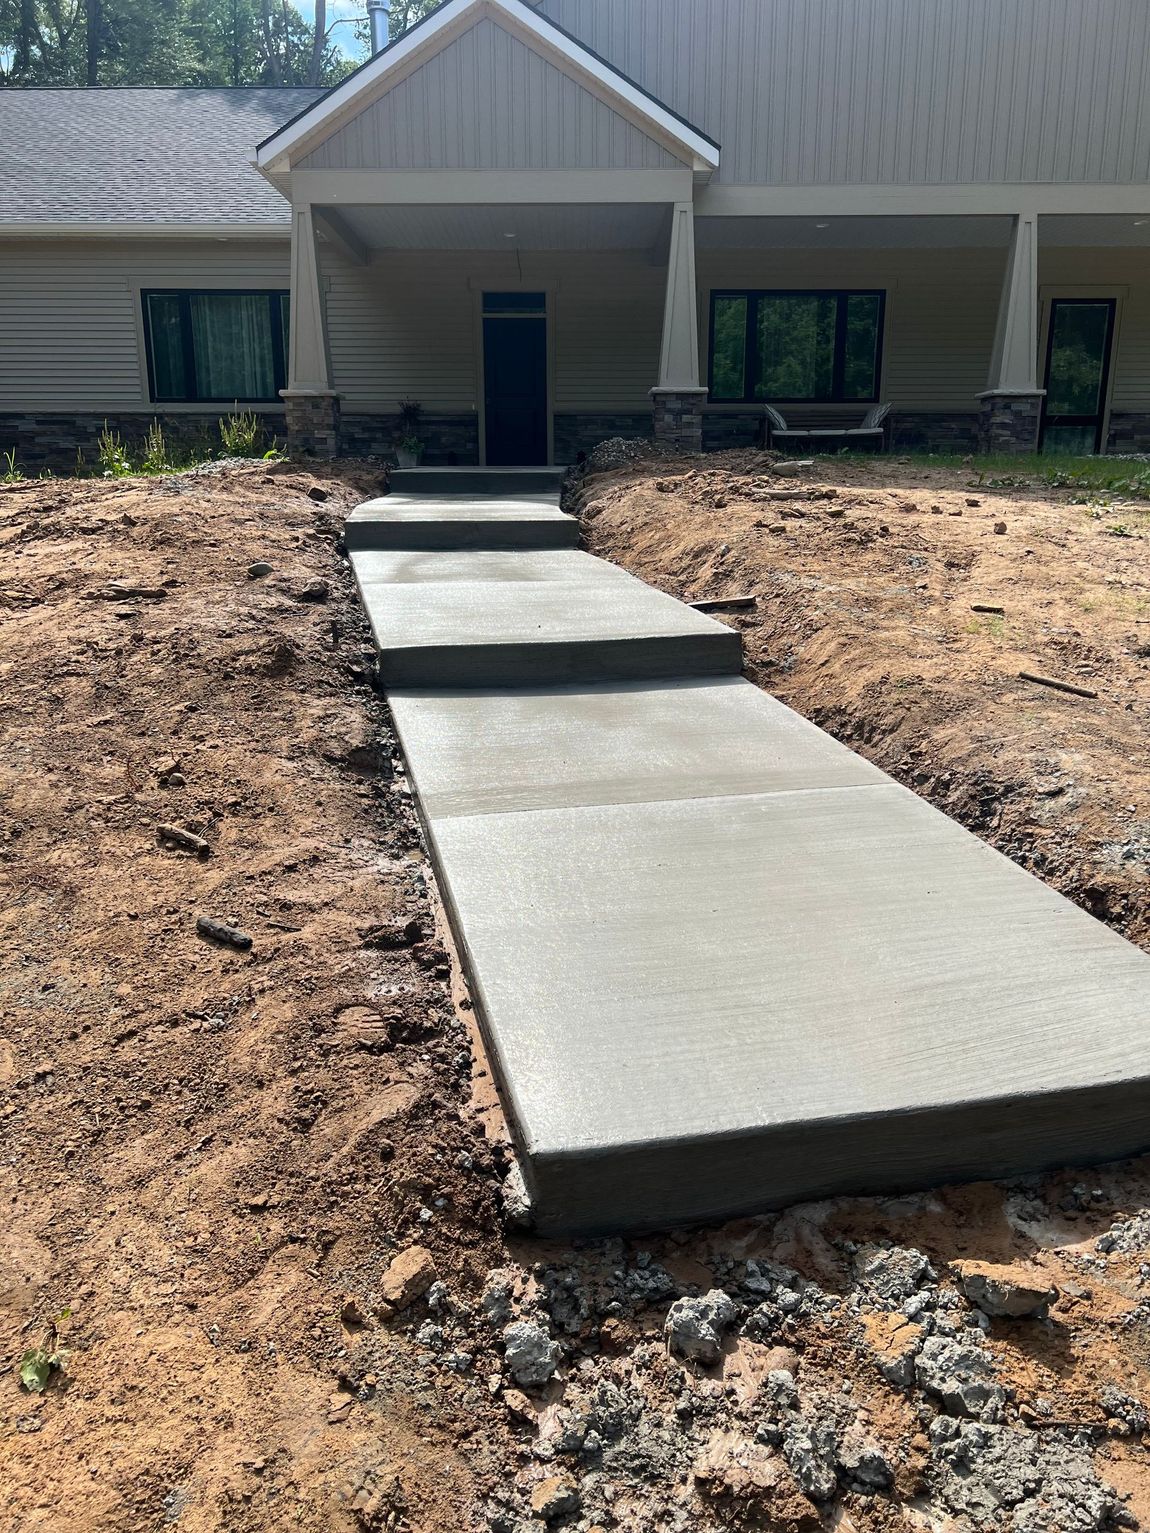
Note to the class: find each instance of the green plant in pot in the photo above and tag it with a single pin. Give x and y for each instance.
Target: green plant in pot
(408, 442)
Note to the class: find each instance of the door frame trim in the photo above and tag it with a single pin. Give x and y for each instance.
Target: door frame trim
(499, 285)
(1082, 292)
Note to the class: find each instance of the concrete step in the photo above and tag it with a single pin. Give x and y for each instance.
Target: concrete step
(459, 522)
(723, 963)
(529, 621)
(476, 481)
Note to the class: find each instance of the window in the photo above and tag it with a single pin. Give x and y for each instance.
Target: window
(790, 346)
(216, 346)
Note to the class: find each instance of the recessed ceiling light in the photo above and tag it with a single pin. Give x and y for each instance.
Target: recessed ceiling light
(1138, 222)
(822, 226)
(509, 236)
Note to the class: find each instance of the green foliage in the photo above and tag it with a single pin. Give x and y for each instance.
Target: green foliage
(39, 1363)
(13, 473)
(182, 42)
(241, 434)
(156, 459)
(111, 454)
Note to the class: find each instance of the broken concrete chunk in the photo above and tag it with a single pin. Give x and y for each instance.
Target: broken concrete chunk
(695, 1327)
(1005, 1290)
(961, 1376)
(408, 1278)
(531, 1356)
(313, 590)
(895, 1341)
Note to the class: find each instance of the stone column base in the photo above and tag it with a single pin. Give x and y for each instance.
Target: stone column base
(312, 422)
(679, 417)
(1009, 422)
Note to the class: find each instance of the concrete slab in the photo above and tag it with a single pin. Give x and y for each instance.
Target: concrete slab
(459, 522)
(471, 480)
(456, 633)
(565, 565)
(708, 1006)
(485, 752)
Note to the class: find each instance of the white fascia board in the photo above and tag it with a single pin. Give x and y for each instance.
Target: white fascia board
(279, 231)
(734, 201)
(424, 40)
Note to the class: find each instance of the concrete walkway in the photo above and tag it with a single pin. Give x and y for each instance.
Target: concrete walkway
(721, 962)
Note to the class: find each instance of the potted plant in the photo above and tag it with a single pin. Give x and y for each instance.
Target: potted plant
(408, 443)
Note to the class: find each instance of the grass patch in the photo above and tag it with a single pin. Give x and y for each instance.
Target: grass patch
(1006, 471)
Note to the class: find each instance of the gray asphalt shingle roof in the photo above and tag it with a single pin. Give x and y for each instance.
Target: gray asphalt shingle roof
(140, 156)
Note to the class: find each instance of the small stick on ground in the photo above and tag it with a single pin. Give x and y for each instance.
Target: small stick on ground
(1059, 686)
(219, 931)
(984, 606)
(184, 838)
(709, 602)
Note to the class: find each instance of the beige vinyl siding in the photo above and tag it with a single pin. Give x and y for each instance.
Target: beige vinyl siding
(488, 102)
(1120, 274)
(408, 324)
(861, 92)
(941, 309)
(70, 332)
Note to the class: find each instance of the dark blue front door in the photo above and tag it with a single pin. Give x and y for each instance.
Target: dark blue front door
(515, 377)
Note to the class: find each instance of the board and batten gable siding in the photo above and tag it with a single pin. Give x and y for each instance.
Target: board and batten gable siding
(407, 325)
(488, 102)
(70, 326)
(868, 92)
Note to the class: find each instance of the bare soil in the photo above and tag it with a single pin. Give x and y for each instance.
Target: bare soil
(211, 1156)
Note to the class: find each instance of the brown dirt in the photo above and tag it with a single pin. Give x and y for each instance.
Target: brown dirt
(866, 577)
(211, 1157)
(209, 1151)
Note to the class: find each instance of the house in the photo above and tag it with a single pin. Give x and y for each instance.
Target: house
(559, 221)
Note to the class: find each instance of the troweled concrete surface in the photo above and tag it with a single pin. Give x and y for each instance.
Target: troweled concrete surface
(403, 566)
(484, 752)
(721, 962)
(461, 633)
(456, 522)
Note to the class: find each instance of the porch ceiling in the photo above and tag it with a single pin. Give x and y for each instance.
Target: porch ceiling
(928, 232)
(1094, 229)
(560, 226)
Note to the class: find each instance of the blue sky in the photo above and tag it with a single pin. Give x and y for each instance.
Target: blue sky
(342, 11)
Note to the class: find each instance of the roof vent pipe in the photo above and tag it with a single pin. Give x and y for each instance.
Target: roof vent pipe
(379, 19)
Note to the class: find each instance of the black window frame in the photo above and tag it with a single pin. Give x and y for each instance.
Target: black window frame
(279, 300)
(751, 368)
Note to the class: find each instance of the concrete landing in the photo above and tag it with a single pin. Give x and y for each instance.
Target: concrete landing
(723, 963)
(459, 632)
(450, 522)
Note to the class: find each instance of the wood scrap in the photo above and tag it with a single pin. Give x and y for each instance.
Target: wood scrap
(984, 606)
(1059, 686)
(220, 931)
(184, 838)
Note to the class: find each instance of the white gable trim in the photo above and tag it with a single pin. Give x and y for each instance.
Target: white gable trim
(424, 40)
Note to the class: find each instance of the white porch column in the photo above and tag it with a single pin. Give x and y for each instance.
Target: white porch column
(311, 406)
(677, 397)
(1012, 404)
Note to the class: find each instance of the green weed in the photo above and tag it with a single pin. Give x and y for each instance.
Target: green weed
(112, 455)
(241, 434)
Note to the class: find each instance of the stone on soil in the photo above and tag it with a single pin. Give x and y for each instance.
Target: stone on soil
(695, 1327)
(1010, 1291)
(408, 1278)
(531, 1356)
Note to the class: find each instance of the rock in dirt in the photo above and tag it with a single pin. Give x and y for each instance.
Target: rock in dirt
(316, 493)
(408, 1278)
(313, 590)
(894, 1341)
(1004, 1290)
(555, 1498)
(259, 569)
(531, 1356)
(754, 1482)
(516, 1200)
(961, 1376)
(695, 1327)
